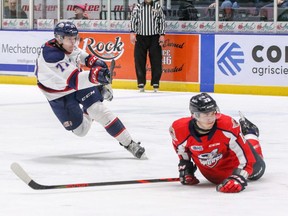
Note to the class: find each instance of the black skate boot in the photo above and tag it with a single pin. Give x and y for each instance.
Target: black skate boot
(247, 127)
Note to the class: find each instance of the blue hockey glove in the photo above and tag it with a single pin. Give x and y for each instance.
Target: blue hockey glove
(93, 61)
(100, 63)
(100, 75)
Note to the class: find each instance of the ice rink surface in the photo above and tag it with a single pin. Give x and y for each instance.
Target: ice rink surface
(32, 136)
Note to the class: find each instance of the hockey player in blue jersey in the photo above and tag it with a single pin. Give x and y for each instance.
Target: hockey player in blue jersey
(75, 95)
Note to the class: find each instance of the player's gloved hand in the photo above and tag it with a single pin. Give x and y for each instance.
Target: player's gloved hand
(186, 173)
(107, 92)
(100, 63)
(93, 61)
(100, 75)
(233, 184)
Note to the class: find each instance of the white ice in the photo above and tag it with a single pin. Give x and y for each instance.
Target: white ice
(31, 135)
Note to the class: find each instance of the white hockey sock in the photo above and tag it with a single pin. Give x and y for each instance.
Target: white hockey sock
(84, 127)
(100, 113)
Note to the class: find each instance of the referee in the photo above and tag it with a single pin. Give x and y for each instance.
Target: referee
(147, 33)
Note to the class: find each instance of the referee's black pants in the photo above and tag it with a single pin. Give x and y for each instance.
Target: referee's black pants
(144, 45)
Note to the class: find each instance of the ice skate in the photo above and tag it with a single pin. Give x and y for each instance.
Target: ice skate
(136, 150)
(247, 127)
(155, 88)
(141, 87)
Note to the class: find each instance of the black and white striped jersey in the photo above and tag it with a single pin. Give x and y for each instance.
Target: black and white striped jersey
(148, 19)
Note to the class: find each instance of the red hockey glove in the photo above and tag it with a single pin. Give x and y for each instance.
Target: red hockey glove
(186, 173)
(233, 184)
(100, 75)
(93, 61)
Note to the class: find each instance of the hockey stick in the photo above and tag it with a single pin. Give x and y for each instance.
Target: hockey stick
(112, 66)
(22, 174)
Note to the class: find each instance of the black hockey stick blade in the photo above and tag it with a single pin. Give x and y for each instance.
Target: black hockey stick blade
(112, 66)
(242, 117)
(22, 174)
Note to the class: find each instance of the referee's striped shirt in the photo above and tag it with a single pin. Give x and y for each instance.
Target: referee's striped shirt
(148, 19)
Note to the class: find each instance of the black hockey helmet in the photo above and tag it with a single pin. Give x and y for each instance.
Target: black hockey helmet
(202, 103)
(65, 29)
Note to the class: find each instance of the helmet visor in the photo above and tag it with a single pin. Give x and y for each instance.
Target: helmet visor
(207, 117)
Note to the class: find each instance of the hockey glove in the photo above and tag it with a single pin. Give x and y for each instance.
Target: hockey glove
(233, 184)
(100, 75)
(186, 173)
(100, 63)
(93, 61)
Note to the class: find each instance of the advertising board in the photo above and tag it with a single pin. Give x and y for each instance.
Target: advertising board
(180, 55)
(258, 60)
(19, 50)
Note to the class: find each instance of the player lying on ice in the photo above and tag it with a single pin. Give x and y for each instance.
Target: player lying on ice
(225, 153)
(75, 95)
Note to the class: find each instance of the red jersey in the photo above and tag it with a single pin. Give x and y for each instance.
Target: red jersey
(216, 154)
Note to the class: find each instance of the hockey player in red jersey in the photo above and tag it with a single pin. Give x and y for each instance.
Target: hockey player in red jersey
(75, 95)
(226, 153)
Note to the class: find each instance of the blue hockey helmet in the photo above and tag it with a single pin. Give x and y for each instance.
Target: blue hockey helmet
(202, 103)
(65, 29)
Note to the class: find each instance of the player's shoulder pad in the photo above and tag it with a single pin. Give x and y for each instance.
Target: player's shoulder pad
(52, 54)
(179, 130)
(227, 122)
(181, 125)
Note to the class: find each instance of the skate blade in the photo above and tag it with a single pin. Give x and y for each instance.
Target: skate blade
(242, 117)
(143, 157)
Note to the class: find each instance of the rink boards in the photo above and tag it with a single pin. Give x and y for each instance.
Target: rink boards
(221, 63)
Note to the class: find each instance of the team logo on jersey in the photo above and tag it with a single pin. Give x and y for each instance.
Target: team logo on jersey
(210, 159)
